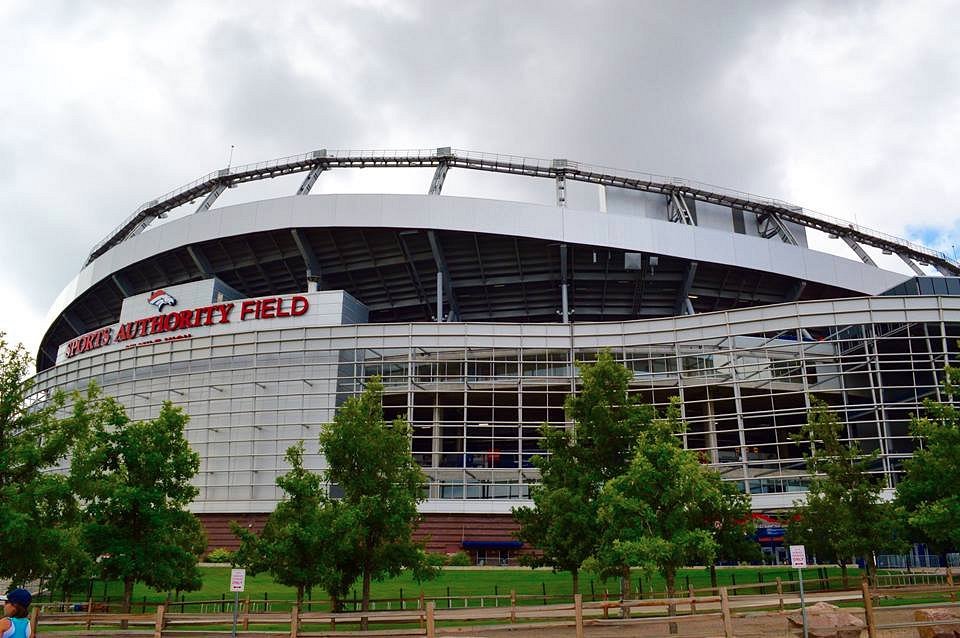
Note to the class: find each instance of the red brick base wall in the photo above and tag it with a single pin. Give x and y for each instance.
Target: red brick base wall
(443, 533)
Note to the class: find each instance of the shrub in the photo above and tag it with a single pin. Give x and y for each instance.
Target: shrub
(220, 555)
(459, 559)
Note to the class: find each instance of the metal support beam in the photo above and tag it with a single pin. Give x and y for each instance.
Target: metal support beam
(309, 258)
(771, 225)
(122, 284)
(441, 262)
(560, 166)
(201, 262)
(439, 296)
(212, 197)
(682, 304)
(678, 211)
(75, 323)
(857, 248)
(439, 175)
(311, 179)
(795, 290)
(913, 265)
(564, 298)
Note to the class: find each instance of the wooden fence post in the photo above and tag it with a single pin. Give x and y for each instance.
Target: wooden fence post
(780, 593)
(294, 621)
(159, 621)
(725, 612)
(578, 613)
(34, 620)
(89, 612)
(953, 594)
(431, 626)
(693, 601)
(246, 614)
(513, 605)
(868, 609)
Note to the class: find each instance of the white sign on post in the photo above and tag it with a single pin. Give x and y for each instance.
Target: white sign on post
(237, 579)
(798, 556)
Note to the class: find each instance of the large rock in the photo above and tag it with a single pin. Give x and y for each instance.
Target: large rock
(828, 621)
(949, 627)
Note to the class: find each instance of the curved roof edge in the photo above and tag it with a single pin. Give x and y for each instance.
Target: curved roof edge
(496, 217)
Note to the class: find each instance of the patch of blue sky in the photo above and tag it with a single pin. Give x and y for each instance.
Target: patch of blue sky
(942, 238)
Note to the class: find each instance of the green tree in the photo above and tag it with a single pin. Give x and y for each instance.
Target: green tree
(134, 477)
(929, 494)
(563, 522)
(843, 515)
(732, 527)
(307, 540)
(658, 513)
(39, 510)
(370, 460)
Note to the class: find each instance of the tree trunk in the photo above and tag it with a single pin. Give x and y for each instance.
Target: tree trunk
(843, 574)
(336, 605)
(127, 596)
(670, 574)
(625, 590)
(713, 578)
(871, 568)
(300, 597)
(575, 573)
(365, 605)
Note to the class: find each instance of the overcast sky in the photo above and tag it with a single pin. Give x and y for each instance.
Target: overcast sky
(851, 109)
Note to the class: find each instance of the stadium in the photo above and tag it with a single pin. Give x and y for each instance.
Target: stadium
(260, 317)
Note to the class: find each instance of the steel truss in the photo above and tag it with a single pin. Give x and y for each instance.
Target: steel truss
(771, 212)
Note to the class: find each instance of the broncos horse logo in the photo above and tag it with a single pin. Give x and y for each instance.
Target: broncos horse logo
(161, 299)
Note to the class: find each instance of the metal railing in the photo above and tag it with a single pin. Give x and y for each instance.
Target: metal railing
(519, 165)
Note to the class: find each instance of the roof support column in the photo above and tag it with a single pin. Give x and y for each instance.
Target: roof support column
(564, 298)
(439, 175)
(678, 211)
(857, 248)
(201, 262)
(212, 197)
(446, 281)
(310, 179)
(913, 265)
(682, 305)
(560, 166)
(309, 259)
(122, 285)
(795, 290)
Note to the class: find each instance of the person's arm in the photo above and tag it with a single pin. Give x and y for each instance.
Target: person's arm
(4, 624)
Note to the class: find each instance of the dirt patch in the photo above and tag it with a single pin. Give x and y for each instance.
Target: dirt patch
(706, 626)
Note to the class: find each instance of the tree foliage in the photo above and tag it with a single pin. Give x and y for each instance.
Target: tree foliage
(39, 510)
(661, 513)
(307, 540)
(371, 462)
(929, 494)
(134, 477)
(843, 515)
(563, 523)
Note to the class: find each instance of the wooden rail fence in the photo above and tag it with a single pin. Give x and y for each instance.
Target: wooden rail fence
(426, 617)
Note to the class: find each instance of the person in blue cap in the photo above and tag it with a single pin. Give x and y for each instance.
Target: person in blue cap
(16, 624)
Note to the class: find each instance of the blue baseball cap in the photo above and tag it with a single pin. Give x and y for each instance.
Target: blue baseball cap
(19, 597)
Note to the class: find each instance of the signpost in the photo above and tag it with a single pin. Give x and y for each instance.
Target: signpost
(238, 578)
(798, 558)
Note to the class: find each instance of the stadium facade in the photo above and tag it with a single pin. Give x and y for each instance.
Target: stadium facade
(260, 318)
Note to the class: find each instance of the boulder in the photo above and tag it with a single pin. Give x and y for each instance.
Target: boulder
(948, 623)
(828, 621)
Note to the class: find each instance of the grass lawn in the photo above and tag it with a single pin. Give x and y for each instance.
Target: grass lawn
(463, 582)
